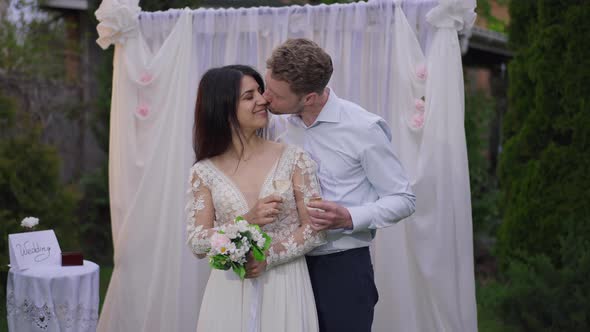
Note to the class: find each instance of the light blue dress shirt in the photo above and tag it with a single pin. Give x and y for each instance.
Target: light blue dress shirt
(357, 168)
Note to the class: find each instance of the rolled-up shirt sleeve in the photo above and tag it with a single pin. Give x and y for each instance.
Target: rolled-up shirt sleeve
(387, 176)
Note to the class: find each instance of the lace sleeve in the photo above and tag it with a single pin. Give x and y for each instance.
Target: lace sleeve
(303, 239)
(200, 215)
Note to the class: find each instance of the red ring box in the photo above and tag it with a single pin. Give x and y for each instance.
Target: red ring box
(71, 258)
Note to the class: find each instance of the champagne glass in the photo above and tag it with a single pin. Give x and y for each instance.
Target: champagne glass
(280, 182)
(281, 186)
(315, 194)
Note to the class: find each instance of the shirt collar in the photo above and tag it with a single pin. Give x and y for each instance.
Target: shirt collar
(329, 113)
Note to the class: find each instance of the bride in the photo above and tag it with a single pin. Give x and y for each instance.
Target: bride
(237, 171)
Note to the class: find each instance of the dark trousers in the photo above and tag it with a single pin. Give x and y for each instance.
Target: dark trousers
(344, 290)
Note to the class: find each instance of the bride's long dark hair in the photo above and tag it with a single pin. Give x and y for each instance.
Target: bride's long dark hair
(215, 111)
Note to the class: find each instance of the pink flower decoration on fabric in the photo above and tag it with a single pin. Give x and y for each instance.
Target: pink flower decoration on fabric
(419, 103)
(146, 78)
(219, 241)
(421, 72)
(143, 111)
(418, 120)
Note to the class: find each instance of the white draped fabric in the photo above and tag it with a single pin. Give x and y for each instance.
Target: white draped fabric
(387, 57)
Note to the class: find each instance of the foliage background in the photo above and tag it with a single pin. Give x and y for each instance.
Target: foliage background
(543, 242)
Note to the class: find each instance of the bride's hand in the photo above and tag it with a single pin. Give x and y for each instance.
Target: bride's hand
(254, 268)
(265, 211)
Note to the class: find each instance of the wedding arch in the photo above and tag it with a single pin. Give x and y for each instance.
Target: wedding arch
(398, 59)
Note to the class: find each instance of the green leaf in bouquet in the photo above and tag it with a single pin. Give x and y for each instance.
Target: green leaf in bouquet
(240, 270)
(238, 218)
(267, 241)
(258, 254)
(219, 262)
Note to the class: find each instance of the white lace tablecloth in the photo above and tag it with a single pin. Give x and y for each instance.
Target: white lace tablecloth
(53, 298)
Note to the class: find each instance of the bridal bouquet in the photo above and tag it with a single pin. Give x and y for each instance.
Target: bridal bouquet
(231, 244)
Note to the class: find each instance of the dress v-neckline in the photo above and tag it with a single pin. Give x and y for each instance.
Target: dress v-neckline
(236, 188)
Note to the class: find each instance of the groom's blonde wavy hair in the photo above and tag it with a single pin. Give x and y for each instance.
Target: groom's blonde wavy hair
(303, 64)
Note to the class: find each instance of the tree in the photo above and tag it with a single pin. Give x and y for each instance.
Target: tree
(29, 182)
(484, 10)
(543, 240)
(32, 42)
(543, 168)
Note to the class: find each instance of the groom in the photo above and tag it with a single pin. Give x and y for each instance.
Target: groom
(364, 185)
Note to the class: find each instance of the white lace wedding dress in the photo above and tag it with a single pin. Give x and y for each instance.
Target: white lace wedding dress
(283, 299)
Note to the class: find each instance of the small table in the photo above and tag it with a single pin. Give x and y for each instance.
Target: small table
(53, 298)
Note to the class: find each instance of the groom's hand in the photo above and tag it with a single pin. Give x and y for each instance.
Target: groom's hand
(330, 216)
(254, 268)
(265, 211)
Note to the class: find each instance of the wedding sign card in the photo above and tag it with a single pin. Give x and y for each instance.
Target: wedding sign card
(33, 249)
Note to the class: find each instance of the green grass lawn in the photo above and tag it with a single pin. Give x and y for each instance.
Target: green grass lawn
(3, 323)
(487, 319)
(105, 277)
(488, 322)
